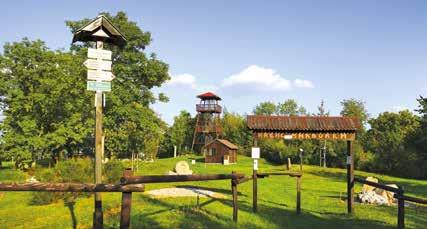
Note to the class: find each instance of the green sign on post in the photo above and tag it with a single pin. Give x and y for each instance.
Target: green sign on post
(98, 86)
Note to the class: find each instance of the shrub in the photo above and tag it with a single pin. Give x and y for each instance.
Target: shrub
(113, 171)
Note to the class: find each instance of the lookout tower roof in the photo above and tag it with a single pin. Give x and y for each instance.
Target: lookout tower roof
(208, 95)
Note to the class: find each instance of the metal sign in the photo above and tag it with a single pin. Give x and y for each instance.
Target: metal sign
(98, 64)
(99, 54)
(99, 75)
(306, 135)
(349, 160)
(255, 152)
(255, 164)
(98, 86)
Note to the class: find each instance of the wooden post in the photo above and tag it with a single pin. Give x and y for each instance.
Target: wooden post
(400, 209)
(350, 177)
(298, 195)
(126, 204)
(234, 192)
(255, 182)
(288, 164)
(98, 216)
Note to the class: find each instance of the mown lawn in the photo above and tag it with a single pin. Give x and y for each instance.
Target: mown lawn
(323, 204)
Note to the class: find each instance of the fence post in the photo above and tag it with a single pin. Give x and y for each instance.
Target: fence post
(126, 204)
(298, 195)
(234, 192)
(400, 209)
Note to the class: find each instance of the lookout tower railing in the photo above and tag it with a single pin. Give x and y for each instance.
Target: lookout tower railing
(208, 108)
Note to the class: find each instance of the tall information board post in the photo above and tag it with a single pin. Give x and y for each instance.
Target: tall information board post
(99, 77)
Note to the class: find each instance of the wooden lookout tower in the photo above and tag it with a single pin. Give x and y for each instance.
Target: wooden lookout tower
(208, 126)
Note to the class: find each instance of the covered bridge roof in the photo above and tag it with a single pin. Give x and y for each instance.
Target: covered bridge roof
(302, 123)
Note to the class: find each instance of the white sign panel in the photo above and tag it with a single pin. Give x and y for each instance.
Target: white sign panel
(288, 137)
(99, 54)
(98, 64)
(255, 164)
(349, 159)
(255, 152)
(99, 75)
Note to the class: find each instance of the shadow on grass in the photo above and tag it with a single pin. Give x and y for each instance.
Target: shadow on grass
(276, 216)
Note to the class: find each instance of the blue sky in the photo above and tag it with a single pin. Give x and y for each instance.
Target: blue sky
(254, 51)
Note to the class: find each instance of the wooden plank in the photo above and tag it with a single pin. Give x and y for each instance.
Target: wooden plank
(178, 178)
(285, 173)
(350, 177)
(400, 209)
(126, 204)
(69, 187)
(377, 185)
(415, 199)
(243, 180)
(298, 195)
(234, 192)
(346, 136)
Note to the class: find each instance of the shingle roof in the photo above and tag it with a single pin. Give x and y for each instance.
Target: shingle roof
(302, 123)
(208, 95)
(224, 142)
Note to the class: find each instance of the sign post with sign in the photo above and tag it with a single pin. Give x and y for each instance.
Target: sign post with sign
(99, 30)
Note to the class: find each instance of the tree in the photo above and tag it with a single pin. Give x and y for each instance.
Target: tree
(355, 108)
(43, 98)
(235, 130)
(322, 110)
(290, 107)
(388, 141)
(265, 108)
(181, 132)
(49, 111)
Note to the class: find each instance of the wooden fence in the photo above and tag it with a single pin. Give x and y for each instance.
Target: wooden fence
(129, 184)
(399, 195)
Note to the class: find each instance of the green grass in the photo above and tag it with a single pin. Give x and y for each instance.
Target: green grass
(323, 204)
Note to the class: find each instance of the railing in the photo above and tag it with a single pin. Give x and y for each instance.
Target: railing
(214, 108)
(399, 195)
(208, 129)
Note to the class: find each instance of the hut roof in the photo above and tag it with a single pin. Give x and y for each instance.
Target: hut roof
(225, 142)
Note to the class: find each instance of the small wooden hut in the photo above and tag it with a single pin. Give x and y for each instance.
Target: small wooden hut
(220, 151)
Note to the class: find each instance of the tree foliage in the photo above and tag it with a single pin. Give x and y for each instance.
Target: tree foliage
(48, 110)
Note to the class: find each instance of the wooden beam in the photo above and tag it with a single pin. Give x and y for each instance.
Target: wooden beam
(285, 173)
(126, 204)
(400, 209)
(178, 178)
(350, 177)
(234, 192)
(298, 195)
(69, 187)
(377, 185)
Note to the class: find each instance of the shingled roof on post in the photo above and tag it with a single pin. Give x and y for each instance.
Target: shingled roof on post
(302, 123)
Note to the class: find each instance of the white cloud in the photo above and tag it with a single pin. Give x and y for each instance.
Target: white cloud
(188, 80)
(264, 78)
(303, 83)
(182, 80)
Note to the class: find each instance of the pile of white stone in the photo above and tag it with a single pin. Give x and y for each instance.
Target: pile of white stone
(372, 195)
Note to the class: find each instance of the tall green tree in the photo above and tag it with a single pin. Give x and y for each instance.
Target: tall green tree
(265, 108)
(181, 132)
(235, 130)
(43, 97)
(290, 107)
(388, 140)
(128, 117)
(355, 108)
(49, 111)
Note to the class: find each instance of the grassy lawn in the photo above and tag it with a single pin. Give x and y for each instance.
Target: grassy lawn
(323, 204)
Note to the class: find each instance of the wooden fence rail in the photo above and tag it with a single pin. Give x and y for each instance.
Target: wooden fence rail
(69, 187)
(177, 178)
(399, 195)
